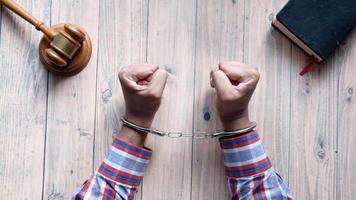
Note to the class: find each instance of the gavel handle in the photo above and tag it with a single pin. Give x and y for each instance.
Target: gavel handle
(25, 15)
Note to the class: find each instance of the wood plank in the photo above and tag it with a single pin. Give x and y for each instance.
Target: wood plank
(71, 110)
(346, 174)
(314, 114)
(312, 161)
(269, 51)
(122, 41)
(171, 44)
(22, 104)
(219, 38)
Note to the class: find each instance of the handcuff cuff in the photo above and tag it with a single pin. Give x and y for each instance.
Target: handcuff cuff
(196, 135)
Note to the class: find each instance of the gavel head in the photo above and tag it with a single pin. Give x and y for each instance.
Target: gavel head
(68, 52)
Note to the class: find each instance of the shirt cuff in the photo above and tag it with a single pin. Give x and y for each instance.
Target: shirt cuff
(244, 155)
(125, 164)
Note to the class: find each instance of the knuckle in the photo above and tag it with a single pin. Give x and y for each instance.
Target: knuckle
(222, 64)
(255, 74)
(124, 70)
(218, 72)
(162, 72)
(121, 75)
(213, 73)
(248, 88)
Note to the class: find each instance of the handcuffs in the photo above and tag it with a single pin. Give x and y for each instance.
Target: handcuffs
(196, 135)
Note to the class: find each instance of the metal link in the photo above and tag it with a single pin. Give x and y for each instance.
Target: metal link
(157, 132)
(175, 135)
(202, 135)
(196, 135)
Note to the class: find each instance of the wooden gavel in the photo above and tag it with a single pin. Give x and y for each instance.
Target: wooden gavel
(65, 49)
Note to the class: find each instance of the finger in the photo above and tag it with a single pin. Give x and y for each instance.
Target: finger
(233, 70)
(211, 78)
(246, 86)
(134, 76)
(222, 84)
(245, 77)
(158, 82)
(124, 76)
(143, 71)
(238, 71)
(130, 84)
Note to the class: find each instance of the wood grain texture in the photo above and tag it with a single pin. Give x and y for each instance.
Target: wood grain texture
(171, 44)
(269, 51)
(122, 41)
(71, 110)
(22, 104)
(346, 174)
(219, 38)
(312, 162)
(55, 131)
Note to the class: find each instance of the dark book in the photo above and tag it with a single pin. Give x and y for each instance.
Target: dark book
(317, 26)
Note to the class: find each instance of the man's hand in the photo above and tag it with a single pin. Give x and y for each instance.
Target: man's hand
(142, 86)
(234, 84)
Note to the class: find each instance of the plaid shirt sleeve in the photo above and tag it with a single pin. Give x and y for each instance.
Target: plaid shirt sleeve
(119, 175)
(249, 171)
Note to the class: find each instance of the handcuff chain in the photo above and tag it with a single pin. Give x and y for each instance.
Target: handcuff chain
(196, 135)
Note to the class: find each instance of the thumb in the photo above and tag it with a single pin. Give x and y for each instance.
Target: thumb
(222, 84)
(143, 71)
(157, 82)
(131, 76)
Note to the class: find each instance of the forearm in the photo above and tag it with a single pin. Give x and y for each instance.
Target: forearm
(121, 172)
(131, 136)
(249, 171)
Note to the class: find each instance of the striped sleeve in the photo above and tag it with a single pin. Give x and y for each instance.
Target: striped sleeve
(119, 175)
(249, 171)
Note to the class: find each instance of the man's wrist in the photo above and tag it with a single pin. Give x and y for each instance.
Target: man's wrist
(133, 136)
(239, 123)
(139, 120)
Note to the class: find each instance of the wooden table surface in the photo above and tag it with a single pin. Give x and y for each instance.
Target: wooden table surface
(55, 131)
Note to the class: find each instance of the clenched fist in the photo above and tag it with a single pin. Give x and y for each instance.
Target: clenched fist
(142, 85)
(234, 84)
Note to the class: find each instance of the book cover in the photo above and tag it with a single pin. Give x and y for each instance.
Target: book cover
(317, 26)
